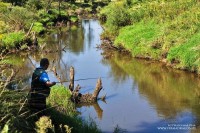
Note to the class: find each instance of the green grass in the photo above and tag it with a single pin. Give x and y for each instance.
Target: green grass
(38, 27)
(156, 29)
(137, 38)
(187, 54)
(58, 95)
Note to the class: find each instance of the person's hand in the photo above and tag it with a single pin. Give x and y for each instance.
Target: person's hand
(49, 84)
(53, 83)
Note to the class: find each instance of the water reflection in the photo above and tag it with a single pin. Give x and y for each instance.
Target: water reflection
(96, 107)
(169, 91)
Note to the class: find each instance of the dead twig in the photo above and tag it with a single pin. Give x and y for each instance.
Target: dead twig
(8, 80)
(4, 118)
(29, 30)
(53, 69)
(22, 105)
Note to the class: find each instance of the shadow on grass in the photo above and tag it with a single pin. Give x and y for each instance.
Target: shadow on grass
(59, 119)
(77, 124)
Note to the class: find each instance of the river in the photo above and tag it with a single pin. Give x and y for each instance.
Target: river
(141, 96)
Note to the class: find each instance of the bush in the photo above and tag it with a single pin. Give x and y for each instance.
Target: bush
(11, 40)
(116, 15)
(74, 19)
(4, 6)
(51, 16)
(58, 95)
(46, 17)
(64, 15)
(38, 27)
(17, 18)
(34, 4)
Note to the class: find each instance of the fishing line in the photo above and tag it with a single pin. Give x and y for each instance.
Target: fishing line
(79, 79)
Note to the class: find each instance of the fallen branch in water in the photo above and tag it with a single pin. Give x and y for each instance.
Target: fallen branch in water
(77, 97)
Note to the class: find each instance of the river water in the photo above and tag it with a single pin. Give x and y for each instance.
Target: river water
(141, 96)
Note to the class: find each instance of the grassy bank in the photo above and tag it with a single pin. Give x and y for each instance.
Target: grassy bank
(65, 112)
(61, 114)
(160, 30)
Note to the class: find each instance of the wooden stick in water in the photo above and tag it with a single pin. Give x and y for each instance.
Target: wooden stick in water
(71, 84)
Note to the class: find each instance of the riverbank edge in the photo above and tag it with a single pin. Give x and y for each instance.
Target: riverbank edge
(107, 45)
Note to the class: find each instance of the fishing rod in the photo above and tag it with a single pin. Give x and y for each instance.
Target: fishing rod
(78, 79)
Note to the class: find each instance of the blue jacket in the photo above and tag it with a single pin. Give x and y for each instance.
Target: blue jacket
(38, 83)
